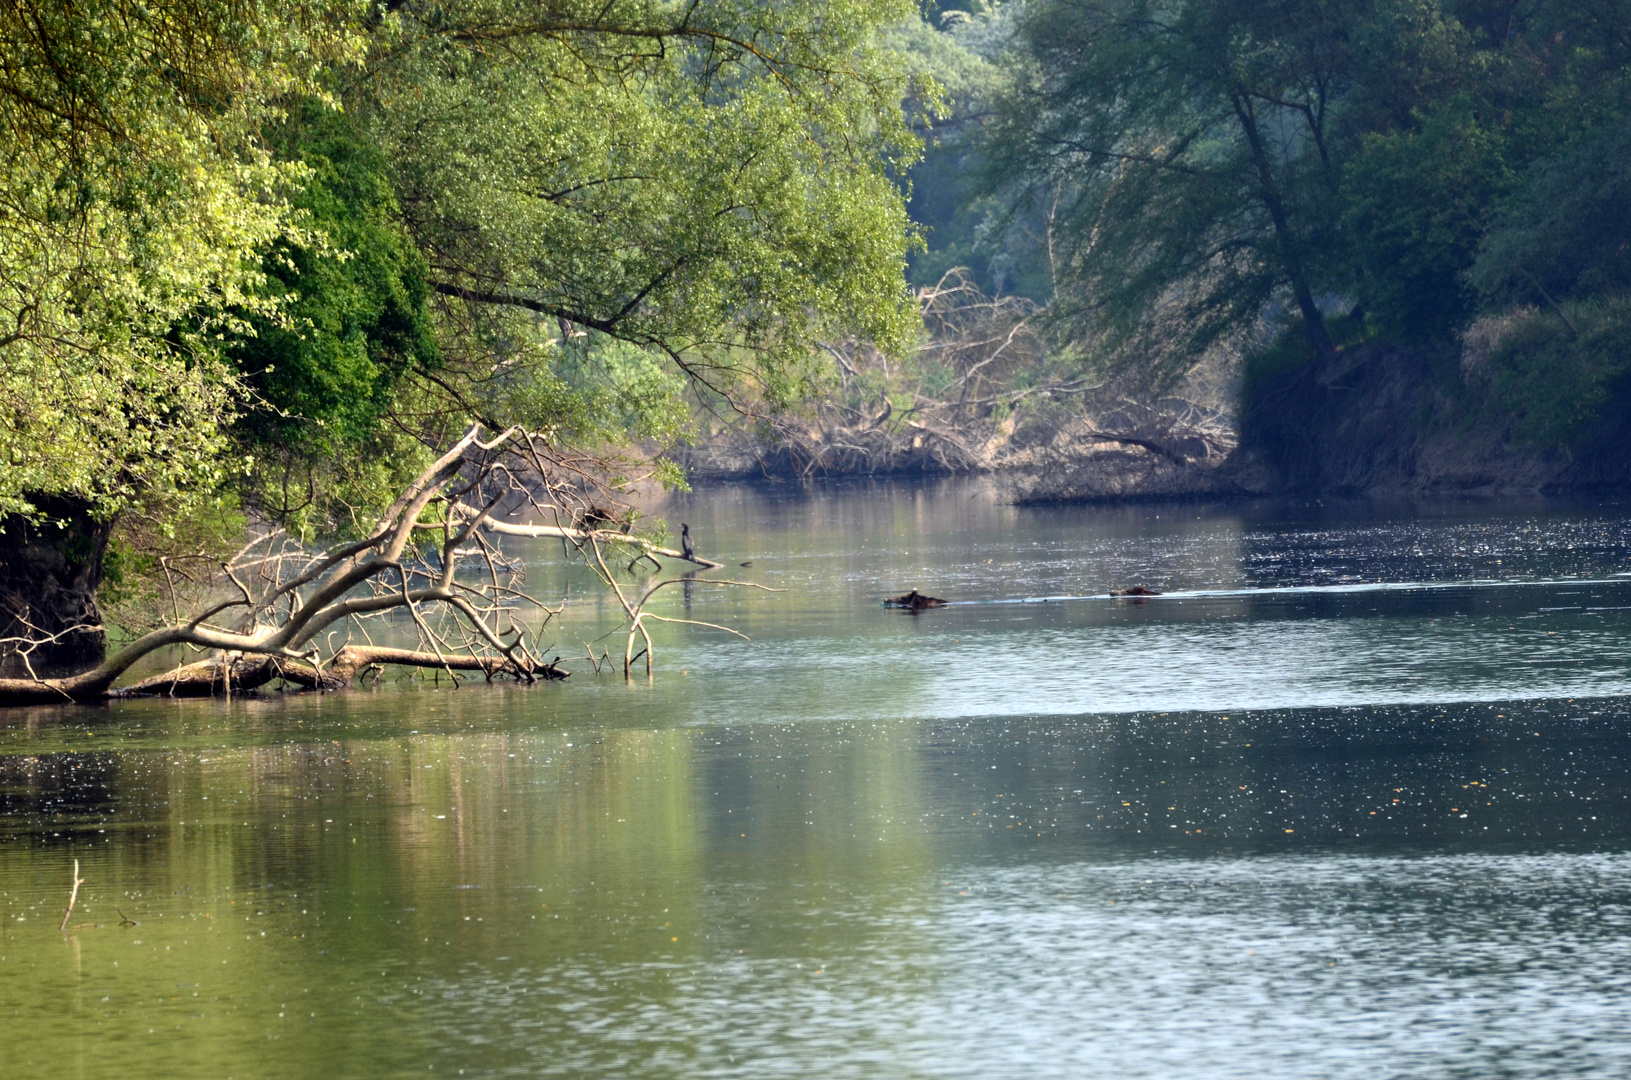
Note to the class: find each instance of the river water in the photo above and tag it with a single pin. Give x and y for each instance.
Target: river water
(1349, 800)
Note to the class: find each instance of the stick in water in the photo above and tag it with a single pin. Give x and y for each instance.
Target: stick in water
(78, 881)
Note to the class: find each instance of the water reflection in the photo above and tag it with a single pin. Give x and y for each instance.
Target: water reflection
(731, 901)
(1267, 833)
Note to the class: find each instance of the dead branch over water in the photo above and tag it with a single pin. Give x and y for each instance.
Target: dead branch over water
(279, 604)
(634, 610)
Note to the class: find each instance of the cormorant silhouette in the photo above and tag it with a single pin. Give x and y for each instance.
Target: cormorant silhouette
(687, 546)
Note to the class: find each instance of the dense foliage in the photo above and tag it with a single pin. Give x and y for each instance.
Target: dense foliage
(1346, 168)
(281, 249)
(135, 199)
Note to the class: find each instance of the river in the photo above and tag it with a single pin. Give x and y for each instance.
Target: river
(1348, 800)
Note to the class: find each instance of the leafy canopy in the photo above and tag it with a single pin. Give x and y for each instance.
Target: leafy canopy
(1407, 162)
(135, 199)
(709, 181)
(290, 246)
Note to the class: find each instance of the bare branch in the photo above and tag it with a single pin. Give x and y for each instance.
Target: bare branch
(294, 601)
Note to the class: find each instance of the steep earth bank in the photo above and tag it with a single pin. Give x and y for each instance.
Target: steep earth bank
(1388, 420)
(49, 573)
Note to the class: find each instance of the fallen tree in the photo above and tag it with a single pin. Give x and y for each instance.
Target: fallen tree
(279, 604)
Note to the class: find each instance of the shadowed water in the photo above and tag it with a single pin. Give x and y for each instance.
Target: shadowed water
(1348, 800)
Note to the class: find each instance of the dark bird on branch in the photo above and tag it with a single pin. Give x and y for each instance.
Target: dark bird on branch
(688, 547)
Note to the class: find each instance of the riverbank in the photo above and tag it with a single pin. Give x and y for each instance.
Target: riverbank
(1380, 419)
(1373, 420)
(1109, 448)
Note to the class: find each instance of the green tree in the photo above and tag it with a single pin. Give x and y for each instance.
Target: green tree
(1414, 211)
(323, 374)
(961, 49)
(1566, 231)
(1560, 250)
(1410, 161)
(1191, 146)
(135, 199)
(711, 180)
(606, 205)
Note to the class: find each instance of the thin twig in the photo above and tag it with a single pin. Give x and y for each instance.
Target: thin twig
(78, 881)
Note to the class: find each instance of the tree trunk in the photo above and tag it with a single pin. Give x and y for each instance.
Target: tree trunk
(49, 573)
(1319, 336)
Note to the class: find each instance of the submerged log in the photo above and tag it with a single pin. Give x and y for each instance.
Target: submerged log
(353, 659)
(207, 678)
(914, 601)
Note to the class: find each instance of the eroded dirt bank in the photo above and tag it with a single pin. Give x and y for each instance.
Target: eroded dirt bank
(1384, 420)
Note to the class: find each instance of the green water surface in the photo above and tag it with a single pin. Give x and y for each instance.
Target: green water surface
(1349, 800)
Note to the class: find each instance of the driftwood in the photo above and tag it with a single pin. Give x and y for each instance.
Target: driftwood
(634, 609)
(207, 678)
(914, 601)
(277, 604)
(583, 537)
